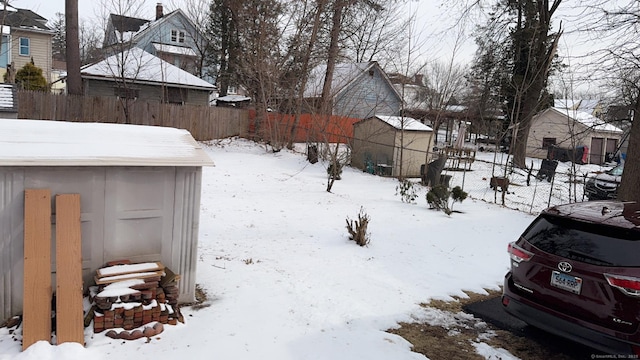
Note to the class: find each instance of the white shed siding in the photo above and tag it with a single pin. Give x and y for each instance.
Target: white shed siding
(143, 207)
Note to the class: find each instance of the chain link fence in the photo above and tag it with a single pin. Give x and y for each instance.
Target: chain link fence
(529, 190)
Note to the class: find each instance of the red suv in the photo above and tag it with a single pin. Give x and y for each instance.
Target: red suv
(575, 272)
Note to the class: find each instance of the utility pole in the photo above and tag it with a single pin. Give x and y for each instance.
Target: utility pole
(74, 81)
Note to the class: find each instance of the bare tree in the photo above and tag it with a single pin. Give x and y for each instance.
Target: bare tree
(90, 41)
(302, 51)
(122, 63)
(374, 34)
(532, 46)
(618, 23)
(445, 82)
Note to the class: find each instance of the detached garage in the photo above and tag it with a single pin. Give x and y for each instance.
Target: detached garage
(139, 191)
(570, 129)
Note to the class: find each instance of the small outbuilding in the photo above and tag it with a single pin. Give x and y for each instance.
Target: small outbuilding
(381, 142)
(139, 191)
(566, 128)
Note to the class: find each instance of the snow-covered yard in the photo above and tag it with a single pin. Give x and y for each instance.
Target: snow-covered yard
(283, 280)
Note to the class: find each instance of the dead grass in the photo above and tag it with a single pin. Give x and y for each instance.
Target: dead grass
(436, 342)
(201, 299)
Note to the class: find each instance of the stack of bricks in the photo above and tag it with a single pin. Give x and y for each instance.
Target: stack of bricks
(169, 286)
(129, 296)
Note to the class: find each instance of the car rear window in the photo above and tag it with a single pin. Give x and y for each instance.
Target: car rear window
(589, 243)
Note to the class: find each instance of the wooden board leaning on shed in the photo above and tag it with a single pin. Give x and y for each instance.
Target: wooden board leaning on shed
(69, 310)
(36, 323)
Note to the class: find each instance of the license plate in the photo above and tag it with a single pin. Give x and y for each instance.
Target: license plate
(566, 282)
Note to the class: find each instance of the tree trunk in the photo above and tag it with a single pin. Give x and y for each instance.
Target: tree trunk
(332, 57)
(527, 109)
(305, 71)
(534, 55)
(74, 81)
(629, 189)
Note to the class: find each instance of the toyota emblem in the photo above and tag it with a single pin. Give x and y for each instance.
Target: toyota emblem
(565, 266)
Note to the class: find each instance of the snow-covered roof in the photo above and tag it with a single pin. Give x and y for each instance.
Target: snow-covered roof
(233, 98)
(412, 96)
(142, 67)
(406, 123)
(344, 73)
(456, 108)
(60, 143)
(7, 102)
(24, 19)
(174, 49)
(586, 105)
(588, 120)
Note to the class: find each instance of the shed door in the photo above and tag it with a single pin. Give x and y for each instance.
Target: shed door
(139, 214)
(596, 151)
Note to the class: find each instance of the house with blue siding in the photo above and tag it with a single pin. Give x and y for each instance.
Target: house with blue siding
(358, 90)
(172, 37)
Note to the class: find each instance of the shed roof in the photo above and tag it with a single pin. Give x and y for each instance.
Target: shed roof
(59, 143)
(406, 123)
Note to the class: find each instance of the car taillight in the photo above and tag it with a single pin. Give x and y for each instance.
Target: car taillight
(518, 254)
(628, 285)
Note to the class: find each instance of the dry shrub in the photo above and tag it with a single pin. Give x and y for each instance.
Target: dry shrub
(358, 229)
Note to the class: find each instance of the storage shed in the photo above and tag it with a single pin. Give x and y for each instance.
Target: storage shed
(139, 190)
(380, 142)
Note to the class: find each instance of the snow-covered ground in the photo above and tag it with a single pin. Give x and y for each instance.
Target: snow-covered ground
(284, 281)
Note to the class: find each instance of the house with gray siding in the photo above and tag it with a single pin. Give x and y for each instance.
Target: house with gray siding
(358, 90)
(172, 37)
(136, 74)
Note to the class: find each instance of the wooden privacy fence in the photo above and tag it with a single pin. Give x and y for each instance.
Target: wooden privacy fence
(203, 122)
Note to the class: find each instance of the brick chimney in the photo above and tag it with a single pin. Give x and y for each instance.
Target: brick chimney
(159, 13)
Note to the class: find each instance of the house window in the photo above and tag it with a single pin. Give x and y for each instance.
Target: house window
(126, 93)
(24, 46)
(176, 95)
(177, 36)
(548, 142)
